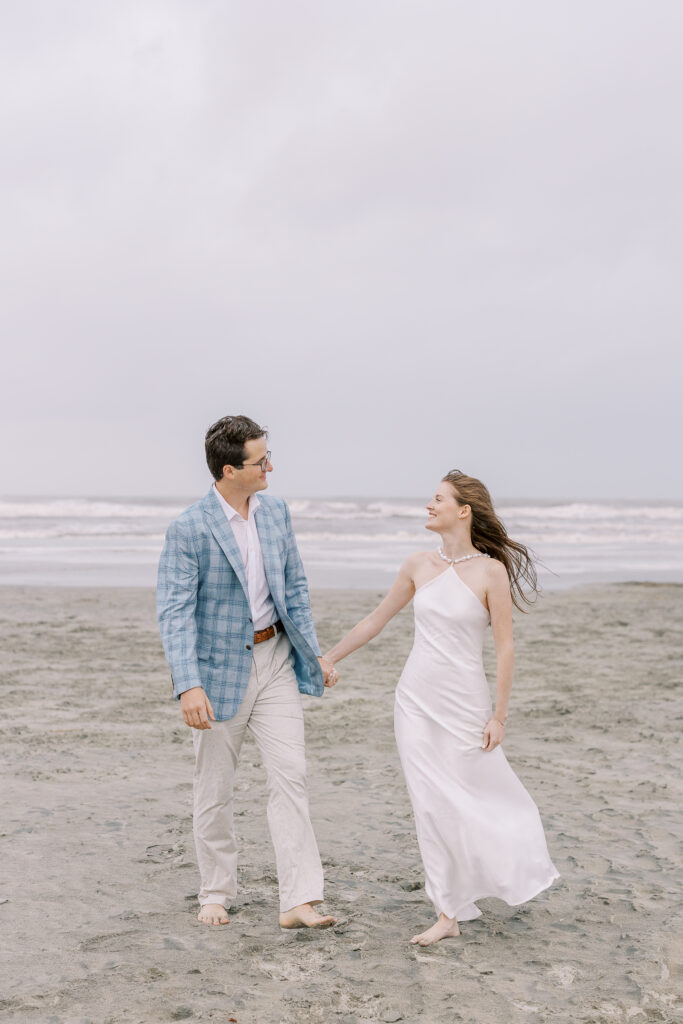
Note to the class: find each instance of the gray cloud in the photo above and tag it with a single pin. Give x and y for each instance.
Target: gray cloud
(407, 236)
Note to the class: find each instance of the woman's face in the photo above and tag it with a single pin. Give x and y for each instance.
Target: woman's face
(444, 511)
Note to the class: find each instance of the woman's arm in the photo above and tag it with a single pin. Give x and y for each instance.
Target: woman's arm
(500, 608)
(398, 597)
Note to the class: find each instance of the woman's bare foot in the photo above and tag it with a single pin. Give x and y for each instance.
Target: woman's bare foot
(445, 928)
(213, 913)
(304, 916)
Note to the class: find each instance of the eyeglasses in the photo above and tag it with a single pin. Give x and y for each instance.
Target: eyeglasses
(262, 463)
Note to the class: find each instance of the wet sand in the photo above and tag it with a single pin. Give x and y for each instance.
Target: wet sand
(98, 875)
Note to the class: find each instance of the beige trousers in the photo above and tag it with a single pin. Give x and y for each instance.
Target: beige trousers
(271, 710)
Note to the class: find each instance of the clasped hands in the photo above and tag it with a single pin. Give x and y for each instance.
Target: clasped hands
(330, 676)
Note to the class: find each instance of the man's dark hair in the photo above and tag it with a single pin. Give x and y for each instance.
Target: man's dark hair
(224, 442)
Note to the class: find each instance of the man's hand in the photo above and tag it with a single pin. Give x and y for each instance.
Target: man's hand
(330, 676)
(196, 708)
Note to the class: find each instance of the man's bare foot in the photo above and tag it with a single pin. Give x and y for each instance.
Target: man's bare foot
(305, 916)
(445, 928)
(213, 913)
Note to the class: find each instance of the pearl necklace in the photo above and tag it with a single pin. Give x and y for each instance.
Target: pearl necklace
(465, 558)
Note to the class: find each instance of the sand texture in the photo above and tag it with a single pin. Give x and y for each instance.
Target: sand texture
(98, 878)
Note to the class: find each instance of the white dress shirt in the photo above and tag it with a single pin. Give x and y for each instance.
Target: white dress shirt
(263, 610)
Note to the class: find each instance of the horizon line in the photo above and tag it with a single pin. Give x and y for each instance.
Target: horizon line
(176, 498)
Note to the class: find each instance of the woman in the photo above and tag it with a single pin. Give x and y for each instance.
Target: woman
(478, 829)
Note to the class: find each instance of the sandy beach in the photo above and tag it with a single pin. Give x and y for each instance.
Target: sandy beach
(97, 875)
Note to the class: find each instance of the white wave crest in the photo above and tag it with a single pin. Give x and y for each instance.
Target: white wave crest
(83, 508)
(83, 530)
(349, 510)
(399, 537)
(584, 511)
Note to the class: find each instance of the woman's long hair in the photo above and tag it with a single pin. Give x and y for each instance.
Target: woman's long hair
(490, 536)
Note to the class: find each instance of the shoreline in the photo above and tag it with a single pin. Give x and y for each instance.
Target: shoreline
(667, 578)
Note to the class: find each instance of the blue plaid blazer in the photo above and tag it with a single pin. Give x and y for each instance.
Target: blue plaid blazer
(203, 605)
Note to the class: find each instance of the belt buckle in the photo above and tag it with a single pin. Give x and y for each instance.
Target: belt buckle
(261, 635)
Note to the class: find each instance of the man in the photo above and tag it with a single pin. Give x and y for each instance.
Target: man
(237, 629)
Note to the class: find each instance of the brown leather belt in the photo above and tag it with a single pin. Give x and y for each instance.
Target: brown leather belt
(265, 634)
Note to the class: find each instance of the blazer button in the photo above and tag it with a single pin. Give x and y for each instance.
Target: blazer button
(248, 647)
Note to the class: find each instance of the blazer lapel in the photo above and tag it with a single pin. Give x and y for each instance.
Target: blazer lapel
(222, 531)
(271, 560)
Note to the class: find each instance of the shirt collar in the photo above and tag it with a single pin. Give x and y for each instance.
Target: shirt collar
(231, 512)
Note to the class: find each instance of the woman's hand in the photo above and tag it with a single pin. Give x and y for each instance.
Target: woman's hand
(330, 676)
(493, 734)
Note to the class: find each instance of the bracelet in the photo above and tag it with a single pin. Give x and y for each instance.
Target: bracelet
(499, 721)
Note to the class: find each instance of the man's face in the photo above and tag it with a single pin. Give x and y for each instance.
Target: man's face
(253, 476)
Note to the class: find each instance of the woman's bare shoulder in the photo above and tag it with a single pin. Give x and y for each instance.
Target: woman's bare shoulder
(417, 560)
(495, 570)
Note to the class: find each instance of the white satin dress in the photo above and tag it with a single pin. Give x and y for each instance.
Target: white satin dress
(479, 831)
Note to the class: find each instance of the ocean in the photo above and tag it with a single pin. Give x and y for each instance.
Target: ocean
(344, 542)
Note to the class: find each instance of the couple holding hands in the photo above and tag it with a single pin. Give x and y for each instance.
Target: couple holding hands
(237, 629)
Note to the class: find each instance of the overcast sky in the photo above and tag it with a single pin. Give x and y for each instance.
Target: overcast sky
(406, 236)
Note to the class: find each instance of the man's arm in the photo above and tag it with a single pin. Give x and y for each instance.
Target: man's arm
(177, 584)
(297, 598)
